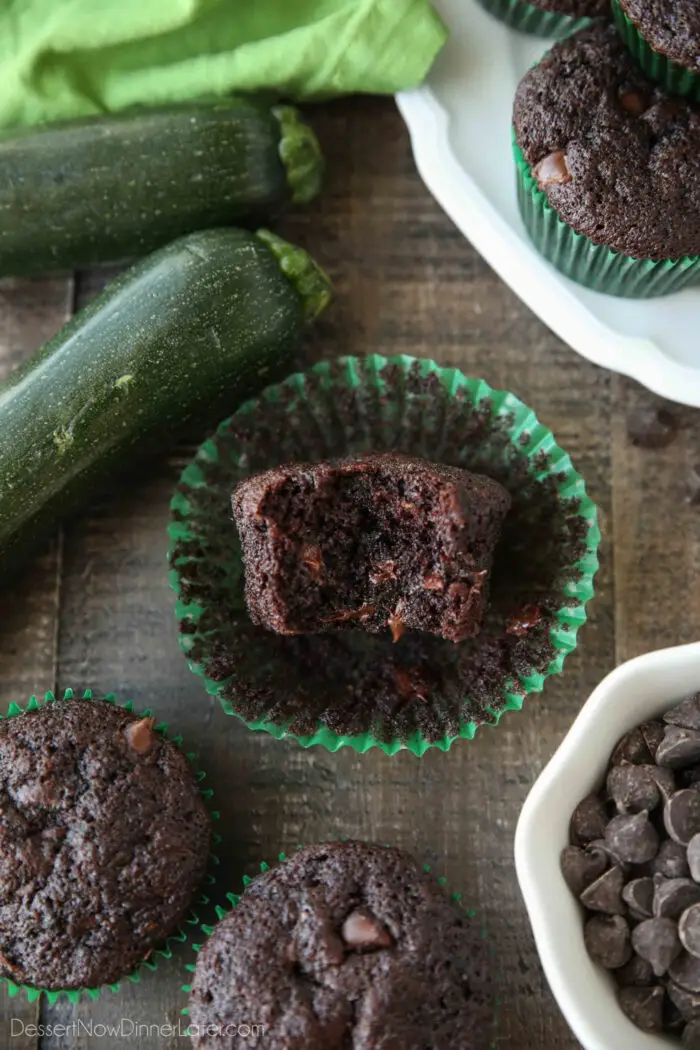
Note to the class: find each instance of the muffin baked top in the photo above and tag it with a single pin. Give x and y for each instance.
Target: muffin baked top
(344, 946)
(104, 838)
(671, 27)
(619, 159)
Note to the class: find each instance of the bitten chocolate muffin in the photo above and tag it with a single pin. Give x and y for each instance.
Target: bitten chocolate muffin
(618, 159)
(104, 839)
(670, 27)
(344, 945)
(381, 542)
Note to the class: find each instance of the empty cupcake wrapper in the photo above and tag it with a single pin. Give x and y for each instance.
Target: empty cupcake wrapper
(341, 408)
(594, 265)
(180, 936)
(527, 18)
(675, 78)
(234, 898)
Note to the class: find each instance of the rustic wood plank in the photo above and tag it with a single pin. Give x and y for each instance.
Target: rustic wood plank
(657, 527)
(407, 283)
(30, 312)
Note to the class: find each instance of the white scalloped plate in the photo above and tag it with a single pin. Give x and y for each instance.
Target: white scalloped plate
(459, 122)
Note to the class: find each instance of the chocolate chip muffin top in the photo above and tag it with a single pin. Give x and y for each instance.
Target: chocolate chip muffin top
(345, 946)
(618, 159)
(575, 8)
(104, 839)
(671, 27)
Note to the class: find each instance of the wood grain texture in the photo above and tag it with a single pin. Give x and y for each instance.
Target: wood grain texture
(30, 312)
(407, 282)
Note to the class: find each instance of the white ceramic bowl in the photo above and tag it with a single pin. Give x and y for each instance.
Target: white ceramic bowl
(636, 691)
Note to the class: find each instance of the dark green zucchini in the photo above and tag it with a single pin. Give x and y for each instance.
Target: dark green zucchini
(187, 333)
(114, 187)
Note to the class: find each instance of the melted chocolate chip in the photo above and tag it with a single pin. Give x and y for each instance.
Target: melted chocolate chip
(633, 102)
(140, 736)
(312, 558)
(552, 169)
(433, 582)
(396, 624)
(363, 932)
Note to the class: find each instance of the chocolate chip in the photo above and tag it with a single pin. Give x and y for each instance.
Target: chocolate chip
(139, 735)
(607, 939)
(589, 821)
(605, 893)
(633, 788)
(644, 1007)
(653, 734)
(691, 1035)
(433, 582)
(11, 970)
(396, 623)
(688, 1003)
(656, 940)
(346, 615)
(673, 896)
(636, 973)
(638, 895)
(632, 102)
(685, 971)
(682, 815)
(383, 572)
(679, 748)
(363, 932)
(694, 857)
(632, 747)
(552, 169)
(581, 867)
(686, 714)
(633, 838)
(528, 618)
(665, 780)
(671, 861)
(312, 559)
(649, 426)
(689, 929)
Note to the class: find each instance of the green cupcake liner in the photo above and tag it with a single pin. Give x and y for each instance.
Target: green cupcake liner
(234, 898)
(675, 78)
(589, 264)
(527, 18)
(180, 936)
(222, 461)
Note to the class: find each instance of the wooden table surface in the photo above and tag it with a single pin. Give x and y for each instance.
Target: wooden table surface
(96, 610)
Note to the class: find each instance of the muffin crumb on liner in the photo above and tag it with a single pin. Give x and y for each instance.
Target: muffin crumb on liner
(407, 405)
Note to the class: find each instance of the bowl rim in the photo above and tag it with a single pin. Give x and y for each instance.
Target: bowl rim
(598, 1029)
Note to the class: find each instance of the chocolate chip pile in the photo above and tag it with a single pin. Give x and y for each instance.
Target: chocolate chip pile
(634, 863)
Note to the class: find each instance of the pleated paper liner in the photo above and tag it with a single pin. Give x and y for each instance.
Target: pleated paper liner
(675, 78)
(527, 18)
(234, 898)
(353, 688)
(594, 265)
(180, 936)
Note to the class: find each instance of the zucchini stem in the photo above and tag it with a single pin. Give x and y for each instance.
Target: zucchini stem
(300, 154)
(312, 284)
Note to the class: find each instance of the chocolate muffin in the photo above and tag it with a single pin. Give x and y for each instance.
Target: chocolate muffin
(381, 542)
(670, 27)
(104, 838)
(618, 159)
(343, 945)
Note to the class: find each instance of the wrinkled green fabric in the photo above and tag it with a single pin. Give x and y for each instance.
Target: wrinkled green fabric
(67, 58)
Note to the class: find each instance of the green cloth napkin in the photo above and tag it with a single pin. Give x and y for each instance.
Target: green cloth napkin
(67, 58)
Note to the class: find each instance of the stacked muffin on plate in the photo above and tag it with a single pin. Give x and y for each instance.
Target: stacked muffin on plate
(606, 137)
